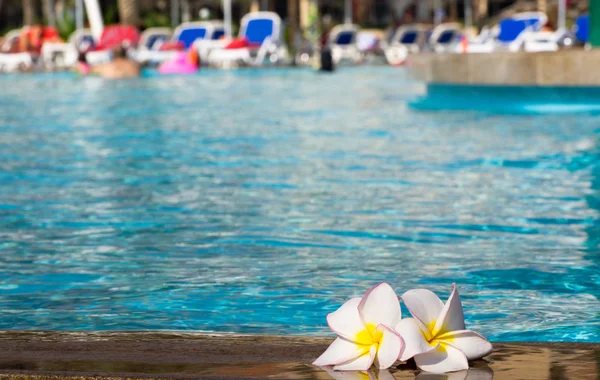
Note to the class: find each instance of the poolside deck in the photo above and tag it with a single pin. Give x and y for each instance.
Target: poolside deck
(573, 67)
(80, 355)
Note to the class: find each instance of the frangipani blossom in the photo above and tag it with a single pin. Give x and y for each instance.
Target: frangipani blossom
(365, 327)
(436, 336)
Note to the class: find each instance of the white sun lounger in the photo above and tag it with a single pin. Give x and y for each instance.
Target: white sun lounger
(342, 41)
(511, 33)
(259, 28)
(407, 39)
(189, 34)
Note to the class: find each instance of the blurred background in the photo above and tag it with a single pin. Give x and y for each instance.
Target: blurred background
(344, 143)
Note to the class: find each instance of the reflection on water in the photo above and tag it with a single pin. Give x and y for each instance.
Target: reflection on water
(470, 374)
(257, 202)
(383, 374)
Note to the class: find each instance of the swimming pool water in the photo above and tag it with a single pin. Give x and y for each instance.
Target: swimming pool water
(258, 201)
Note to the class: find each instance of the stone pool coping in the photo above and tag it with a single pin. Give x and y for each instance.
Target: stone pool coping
(40, 355)
(570, 67)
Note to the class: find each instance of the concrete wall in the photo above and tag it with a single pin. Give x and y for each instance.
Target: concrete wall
(575, 67)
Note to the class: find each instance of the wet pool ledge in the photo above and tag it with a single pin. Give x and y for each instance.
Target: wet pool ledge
(568, 68)
(559, 82)
(79, 355)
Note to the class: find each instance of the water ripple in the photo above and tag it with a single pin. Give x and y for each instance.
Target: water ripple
(258, 201)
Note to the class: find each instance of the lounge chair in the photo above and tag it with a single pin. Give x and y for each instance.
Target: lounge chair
(543, 41)
(112, 36)
(151, 40)
(190, 32)
(511, 33)
(259, 41)
(485, 36)
(214, 39)
(82, 39)
(60, 55)
(445, 37)
(11, 41)
(10, 62)
(185, 36)
(342, 40)
(407, 39)
(539, 41)
(11, 59)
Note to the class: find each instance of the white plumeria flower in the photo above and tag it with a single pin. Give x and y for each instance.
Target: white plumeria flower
(366, 332)
(436, 336)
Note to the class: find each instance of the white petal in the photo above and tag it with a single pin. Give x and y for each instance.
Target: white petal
(445, 358)
(452, 317)
(362, 363)
(340, 351)
(472, 344)
(425, 306)
(380, 305)
(390, 347)
(346, 321)
(414, 340)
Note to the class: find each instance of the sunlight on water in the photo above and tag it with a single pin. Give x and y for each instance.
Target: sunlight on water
(257, 202)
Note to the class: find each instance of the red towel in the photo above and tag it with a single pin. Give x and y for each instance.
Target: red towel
(169, 45)
(117, 35)
(240, 43)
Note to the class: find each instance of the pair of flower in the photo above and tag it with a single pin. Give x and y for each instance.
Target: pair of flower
(371, 331)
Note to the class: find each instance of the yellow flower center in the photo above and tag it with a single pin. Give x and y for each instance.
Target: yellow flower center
(434, 337)
(431, 326)
(369, 336)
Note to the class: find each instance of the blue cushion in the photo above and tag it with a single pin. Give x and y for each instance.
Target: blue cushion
(188, 36)
(409, 37)
(344, 38)
(533, 23)
(153, 39)
(446, 37)
(259, 29)
(87, 40)
(510, 28)
(582, 28)
(218, 34)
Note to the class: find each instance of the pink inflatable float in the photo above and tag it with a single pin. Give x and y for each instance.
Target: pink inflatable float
(181, 64)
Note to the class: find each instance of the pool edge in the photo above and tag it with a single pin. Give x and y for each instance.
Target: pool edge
(39, 355)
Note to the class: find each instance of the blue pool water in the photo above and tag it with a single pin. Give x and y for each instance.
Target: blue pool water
(509, 99)
(256, 202)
